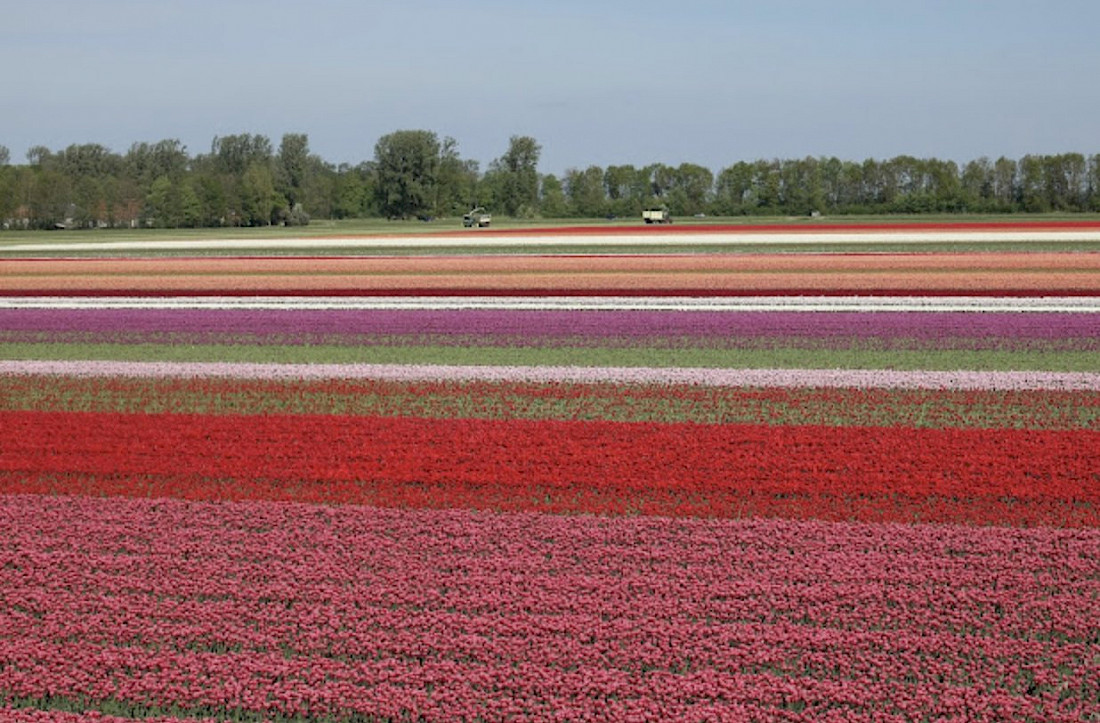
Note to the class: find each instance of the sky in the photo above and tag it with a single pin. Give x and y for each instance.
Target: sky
(600, 82)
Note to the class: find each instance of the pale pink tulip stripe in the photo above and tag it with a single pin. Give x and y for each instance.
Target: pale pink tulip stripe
(834, 378)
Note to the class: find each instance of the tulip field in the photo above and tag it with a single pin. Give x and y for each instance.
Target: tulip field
(732, 474)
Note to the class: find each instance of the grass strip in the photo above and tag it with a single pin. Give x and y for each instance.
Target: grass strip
(776, 357)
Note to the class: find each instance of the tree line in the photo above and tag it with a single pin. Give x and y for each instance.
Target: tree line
(245, 180)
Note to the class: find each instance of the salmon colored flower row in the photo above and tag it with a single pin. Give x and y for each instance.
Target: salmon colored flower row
(1038, 273)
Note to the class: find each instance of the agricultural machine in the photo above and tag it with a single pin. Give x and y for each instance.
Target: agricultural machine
(476, 218)
(656, 215)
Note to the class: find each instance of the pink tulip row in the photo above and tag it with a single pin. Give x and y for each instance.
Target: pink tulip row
(786, 378)
(29, 715)
(281, 609)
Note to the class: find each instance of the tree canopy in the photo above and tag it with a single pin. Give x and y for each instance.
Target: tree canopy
(515, 178)
(245, 180)
(406, 166)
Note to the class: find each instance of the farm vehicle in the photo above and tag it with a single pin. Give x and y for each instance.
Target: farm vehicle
(656, 215)
(477, 218)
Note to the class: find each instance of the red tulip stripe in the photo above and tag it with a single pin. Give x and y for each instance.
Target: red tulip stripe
(1013, 477)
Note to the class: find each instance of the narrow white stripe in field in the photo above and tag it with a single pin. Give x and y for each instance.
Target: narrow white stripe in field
(857, 378)
(610, 303)
(476, 240)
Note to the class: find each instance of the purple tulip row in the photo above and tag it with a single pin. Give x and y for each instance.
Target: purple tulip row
(285, 609)
(542, 326)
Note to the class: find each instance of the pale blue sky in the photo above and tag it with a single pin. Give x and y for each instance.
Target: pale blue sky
(594, 81)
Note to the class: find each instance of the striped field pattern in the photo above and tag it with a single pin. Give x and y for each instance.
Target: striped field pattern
(689, 474)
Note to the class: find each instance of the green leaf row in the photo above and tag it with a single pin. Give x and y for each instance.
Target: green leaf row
(780, 357)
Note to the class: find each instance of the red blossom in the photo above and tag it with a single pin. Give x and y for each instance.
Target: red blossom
(1004, 476)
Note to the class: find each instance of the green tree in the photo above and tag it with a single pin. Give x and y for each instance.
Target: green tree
(801, 191)
(456, 186)
(237, 153)
(690, 189)
(191, 213)
(8, 201)
(351, 193)
(5, 156)
(830, 172)
(146, 162)
(585, 191)
(625, 195)
(976, 185)
(261, 203)
(1077, 174)
(162, 203)
(88, 206)
(946, 187)
(489, 190)
(765, 193)
(39, 156)
(517, 176)
(315, 197)
(732, 189)
(661, 178)
(213, 202)
(552, 203)
(21, 181)
(1093, 183)
(293, 163)
(88, 160)
(906, 177)
(852, 194)
(49, 198)
(1005, 184)
(879, 185)
(406, 166)
(143, 165)
(1033, 191)
(123, 200)
(1064, 181)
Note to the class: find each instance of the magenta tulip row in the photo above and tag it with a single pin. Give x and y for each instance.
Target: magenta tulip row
(282, 609)
(715, 377)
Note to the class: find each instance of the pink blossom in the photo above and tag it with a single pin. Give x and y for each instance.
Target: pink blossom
(287, 609)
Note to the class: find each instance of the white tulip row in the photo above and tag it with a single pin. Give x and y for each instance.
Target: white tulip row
(833, 378)
(579, 303)
(495, 240)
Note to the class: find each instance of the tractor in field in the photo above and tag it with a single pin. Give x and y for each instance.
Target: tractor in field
(656, 215)
(477, 218)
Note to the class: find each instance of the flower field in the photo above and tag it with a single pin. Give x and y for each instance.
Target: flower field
(726, 484)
